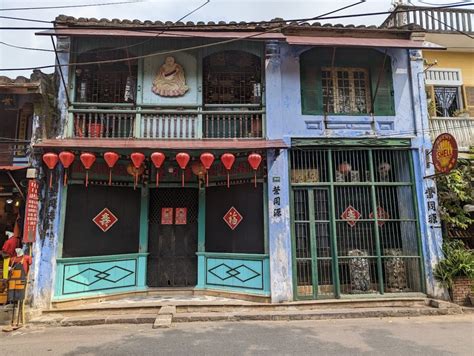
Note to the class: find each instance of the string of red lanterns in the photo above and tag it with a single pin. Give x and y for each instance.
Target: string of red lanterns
(157, 158)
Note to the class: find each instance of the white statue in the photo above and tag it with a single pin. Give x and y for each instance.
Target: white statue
(170, 80)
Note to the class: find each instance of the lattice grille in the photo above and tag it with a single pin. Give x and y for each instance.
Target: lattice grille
(173, 198)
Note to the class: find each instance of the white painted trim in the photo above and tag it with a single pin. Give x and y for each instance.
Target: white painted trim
(444, 77)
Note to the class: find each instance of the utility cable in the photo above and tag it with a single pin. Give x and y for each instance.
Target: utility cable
(71, 6)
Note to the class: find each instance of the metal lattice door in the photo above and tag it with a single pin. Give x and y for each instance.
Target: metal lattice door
(172, 260)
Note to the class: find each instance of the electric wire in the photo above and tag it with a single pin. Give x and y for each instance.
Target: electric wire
(71, 6)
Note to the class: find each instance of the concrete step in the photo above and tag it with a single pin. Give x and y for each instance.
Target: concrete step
(157, 320)
(150, 306)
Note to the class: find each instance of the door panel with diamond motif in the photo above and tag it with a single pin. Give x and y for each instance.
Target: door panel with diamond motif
(172, 244)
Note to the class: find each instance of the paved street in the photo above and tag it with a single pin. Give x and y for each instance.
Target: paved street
(446, 335)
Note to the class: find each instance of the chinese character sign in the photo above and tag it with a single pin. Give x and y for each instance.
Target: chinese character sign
(31, 212)
(276, 201)
(431, 208)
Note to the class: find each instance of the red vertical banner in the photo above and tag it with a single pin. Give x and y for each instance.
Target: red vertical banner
(166, 216)
(31, 212)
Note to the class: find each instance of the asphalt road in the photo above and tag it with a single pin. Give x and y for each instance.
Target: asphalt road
(445, 335)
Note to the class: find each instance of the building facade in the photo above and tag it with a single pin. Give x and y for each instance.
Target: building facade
(263, 161)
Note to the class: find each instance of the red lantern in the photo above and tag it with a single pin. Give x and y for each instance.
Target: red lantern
(66, 159)
(87, 160)
(182, 158)
(111, 159)
(51, 160)
(137, 160)
(157, 158)
(254, 160)
(207, 159)
(228, 160)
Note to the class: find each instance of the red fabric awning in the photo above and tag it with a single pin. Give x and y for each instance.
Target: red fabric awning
(360, 42)
(227, 144)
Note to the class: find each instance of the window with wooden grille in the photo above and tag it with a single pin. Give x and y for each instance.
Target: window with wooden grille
(345, 90)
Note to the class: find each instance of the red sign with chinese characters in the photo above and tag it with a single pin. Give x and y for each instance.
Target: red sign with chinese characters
(350, 215)
(445, 153)
(233, 218)
(180, 216)
(166, 216)
(381, 214)
(105, 220)
(31, 212)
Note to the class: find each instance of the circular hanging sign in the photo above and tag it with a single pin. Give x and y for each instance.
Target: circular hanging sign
(445, 153)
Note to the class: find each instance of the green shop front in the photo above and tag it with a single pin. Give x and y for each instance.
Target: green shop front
(355, 228)
(170, 227)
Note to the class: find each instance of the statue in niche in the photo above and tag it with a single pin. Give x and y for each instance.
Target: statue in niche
(170, 80)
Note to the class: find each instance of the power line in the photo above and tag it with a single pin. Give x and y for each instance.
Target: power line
(24, 19)
(170, 51)
(256, 23)
(70, 6)
(98, 51)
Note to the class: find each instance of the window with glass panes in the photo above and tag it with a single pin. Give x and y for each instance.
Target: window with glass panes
(354, 228)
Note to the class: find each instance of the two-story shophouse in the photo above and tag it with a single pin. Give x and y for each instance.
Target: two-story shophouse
(273, 160)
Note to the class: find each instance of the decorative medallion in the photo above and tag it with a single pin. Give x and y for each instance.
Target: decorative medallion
(233, 218)
(351, 215)
(381, 214)
(166, 216)
(170, 80)
(105, 220)
(180, 216)
(445, 153)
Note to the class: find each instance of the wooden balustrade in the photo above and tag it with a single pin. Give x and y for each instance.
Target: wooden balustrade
(179, 126)
(233, 125)
(103, 125)
(12, 153)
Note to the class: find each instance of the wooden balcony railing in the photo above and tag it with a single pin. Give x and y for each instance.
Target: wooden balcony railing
(13, 153)
(447, 20)
(166, 123)
(462, 128)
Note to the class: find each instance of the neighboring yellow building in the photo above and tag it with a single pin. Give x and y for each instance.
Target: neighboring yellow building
(449, 74)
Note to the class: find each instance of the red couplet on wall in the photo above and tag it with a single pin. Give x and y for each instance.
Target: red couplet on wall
(31, 212)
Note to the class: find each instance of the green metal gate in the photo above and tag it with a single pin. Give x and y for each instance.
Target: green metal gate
(355, 228)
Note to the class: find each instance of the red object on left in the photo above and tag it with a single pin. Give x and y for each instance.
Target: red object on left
(66, 158)
(51, 160)
(87, 160)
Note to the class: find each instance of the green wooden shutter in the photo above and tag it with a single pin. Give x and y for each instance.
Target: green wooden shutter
(384, 104)
(311, 93)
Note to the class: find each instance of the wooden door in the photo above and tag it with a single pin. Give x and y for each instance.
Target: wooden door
(172, 244)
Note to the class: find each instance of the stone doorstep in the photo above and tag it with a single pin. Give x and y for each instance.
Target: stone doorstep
(166, 319)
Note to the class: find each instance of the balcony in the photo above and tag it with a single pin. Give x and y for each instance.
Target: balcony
(462, 128)
(122, 122)
(449, 20)
(13, 154)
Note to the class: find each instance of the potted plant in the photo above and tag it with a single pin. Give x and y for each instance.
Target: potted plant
(456, 270)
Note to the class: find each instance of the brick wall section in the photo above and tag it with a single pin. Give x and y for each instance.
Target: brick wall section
(461, 290)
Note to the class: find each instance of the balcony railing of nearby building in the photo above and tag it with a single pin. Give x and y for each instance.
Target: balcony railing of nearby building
(125, 121)
(13, 153)
(446, 20)
(462, 128)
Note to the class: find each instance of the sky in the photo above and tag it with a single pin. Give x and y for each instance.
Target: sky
(164, 10)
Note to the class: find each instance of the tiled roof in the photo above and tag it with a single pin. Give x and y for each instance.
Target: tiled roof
(63, 20)
(37, 83)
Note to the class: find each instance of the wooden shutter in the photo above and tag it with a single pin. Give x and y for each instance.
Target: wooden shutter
(384, 104)
(311, 93)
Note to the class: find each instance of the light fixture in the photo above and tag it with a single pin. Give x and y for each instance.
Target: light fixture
(9, 201)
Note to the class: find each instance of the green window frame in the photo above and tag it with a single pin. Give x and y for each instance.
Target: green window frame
(315, 62)
(327, 246)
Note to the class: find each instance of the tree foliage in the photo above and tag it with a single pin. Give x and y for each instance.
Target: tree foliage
(458, 262)
(454, 191)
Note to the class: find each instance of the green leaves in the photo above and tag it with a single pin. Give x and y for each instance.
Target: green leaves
(458, 262)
